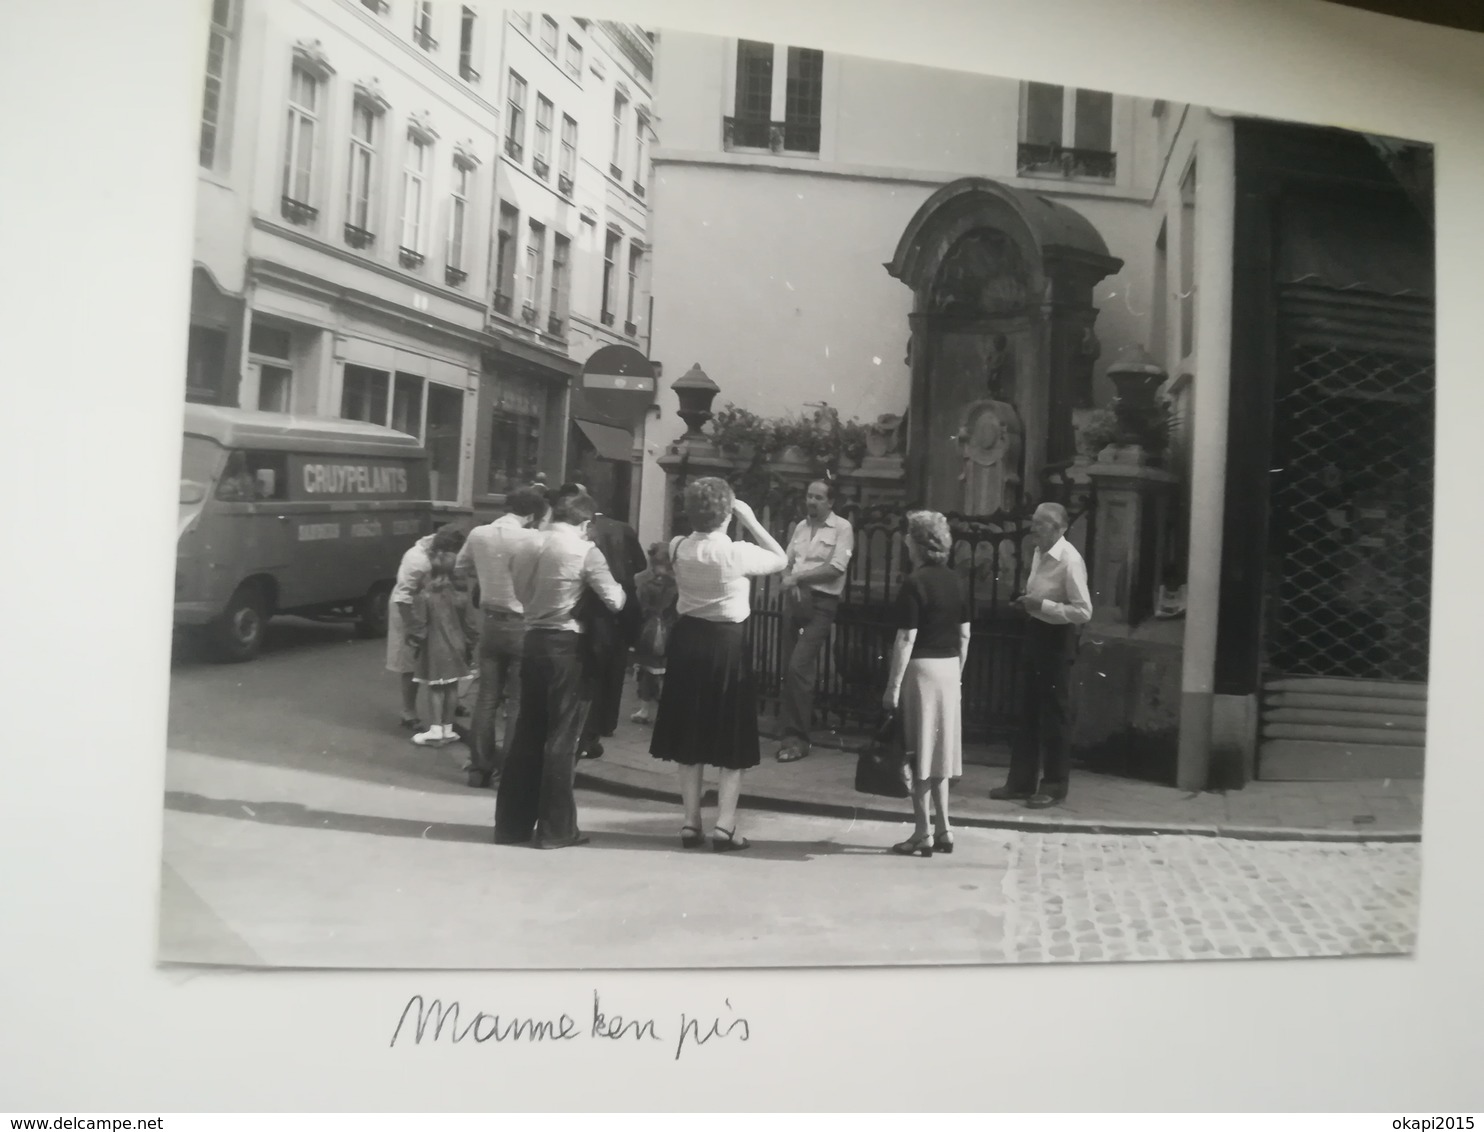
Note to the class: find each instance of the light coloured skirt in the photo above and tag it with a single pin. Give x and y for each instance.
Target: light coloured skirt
(399, 654)
(933, 719)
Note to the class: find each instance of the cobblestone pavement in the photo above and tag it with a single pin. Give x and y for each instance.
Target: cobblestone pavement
(1083, 897)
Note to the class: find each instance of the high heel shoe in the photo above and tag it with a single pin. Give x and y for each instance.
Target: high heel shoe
(727, 841)
(914, 846)
(690, 837)
(943, 842)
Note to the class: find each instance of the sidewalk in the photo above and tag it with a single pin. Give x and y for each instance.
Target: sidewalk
(823, 784)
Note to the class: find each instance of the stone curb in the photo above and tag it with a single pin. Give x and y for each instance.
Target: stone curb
(1049, 824)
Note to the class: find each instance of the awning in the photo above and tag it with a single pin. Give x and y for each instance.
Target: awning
(611, 443)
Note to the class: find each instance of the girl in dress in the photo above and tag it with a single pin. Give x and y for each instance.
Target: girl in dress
(443, 633)
(657, 595)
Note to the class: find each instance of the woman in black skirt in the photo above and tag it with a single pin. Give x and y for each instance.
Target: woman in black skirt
(708, 707)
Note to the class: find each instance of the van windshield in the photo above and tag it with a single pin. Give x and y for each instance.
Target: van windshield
(200, 460)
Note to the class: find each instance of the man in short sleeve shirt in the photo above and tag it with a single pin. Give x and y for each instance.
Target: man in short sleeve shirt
(818, 554)
(1057, 600)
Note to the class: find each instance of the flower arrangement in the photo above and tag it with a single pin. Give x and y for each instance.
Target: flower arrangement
(825, 440)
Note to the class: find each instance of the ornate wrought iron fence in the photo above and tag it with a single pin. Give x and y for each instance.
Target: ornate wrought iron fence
(993, 556)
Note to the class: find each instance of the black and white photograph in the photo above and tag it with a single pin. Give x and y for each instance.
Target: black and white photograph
(657, 499)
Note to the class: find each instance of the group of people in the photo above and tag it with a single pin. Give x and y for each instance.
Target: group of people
(567, 596)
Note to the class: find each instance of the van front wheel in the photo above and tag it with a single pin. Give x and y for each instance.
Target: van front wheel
(371, 613)
(237, 635)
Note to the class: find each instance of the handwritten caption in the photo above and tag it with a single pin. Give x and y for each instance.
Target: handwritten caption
(425, 1022)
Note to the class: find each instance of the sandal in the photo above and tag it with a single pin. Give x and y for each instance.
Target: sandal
(943, 842)
(727, 841)
(690, 837)
(914, 846)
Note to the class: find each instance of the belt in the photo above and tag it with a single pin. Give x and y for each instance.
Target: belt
(501, 614)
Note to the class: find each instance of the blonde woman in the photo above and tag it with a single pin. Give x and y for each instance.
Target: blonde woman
(926, 680)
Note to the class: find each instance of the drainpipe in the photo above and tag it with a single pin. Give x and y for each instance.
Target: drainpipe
(1215, 220)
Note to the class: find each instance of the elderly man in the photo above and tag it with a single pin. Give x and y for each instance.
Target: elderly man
(818, 554)
(486, 554)
(535, 802)
(1057, 599)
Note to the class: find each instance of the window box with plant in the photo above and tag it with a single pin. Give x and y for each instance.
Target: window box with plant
(565, 185)
(454, 277)
(410, 259)
(359, 238)
(555, 325)
(528, 314)
(297, 212)
(542, 169)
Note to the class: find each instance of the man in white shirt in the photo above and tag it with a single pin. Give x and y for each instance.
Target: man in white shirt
(1057, 600)
(818, 553)
(535, 802)
(487, 553)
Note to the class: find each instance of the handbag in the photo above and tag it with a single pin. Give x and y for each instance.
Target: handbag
(881, 768)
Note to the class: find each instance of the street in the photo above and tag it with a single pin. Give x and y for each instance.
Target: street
(303, 829)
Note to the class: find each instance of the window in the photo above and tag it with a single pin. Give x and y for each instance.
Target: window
(803, 99)
(363, 394)
(444, 440)
(467, 20)
(515, 118)
(218, 44)
(270, 350)
(535, 271)
(561, 284)
(641, 131)
(1066, 132)
(505, 258)
(206, 364)
(636, 259)
(574, 59)
(549, 36)
(407, 404)
(380, 7)
(620, 104)
(458, 220)
(515, 434)
(415, 200)
(542, 154)
(364, 122)
(252, 476)
(567, 170)
(299, 148)
(610, 276)
(422, 25)
(782, 116)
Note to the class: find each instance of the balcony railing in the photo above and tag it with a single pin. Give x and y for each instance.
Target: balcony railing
(514, 150)
(454, 276)
(467, 71)
(607, 318)
(631, 328)
(528, 314)
(359, 237)
(1060, 161)
(555, 325)
(638, 190)
(750, 133)
(502, 303)
(410, 258)
(423, 39)
(297, 212)
(616, 173)
(541, 167)
(565, 184)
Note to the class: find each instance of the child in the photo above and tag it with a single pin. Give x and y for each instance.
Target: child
(442, 631)
(657, 596)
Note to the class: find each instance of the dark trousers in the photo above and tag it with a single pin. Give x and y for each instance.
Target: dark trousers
(535, 796)
(807, 617)
(501, 644)
(1041, 754)
(605, 688)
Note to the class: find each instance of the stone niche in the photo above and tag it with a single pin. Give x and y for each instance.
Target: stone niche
(1002, 342)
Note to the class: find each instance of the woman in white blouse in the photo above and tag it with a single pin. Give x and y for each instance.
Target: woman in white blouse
(708, 706)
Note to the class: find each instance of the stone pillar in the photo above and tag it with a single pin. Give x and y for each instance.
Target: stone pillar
(1133, 502)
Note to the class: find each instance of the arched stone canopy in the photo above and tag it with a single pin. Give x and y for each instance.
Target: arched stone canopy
(1002, 330)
